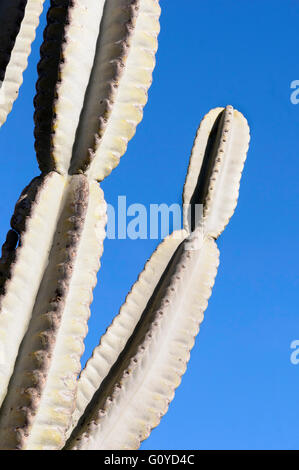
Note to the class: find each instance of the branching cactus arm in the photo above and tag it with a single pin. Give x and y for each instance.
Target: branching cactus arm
(18, 22)
(134, 393)
(215, 169)
(117, 335)
(139, 387)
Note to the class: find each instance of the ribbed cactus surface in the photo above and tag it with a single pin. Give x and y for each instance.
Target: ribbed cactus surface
(95, 70)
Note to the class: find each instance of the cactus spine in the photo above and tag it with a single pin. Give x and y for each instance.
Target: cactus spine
(96, 67)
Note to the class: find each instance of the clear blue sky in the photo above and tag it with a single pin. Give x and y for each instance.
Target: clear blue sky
(240, 390)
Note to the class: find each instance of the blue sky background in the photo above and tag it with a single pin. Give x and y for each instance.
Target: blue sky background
(240, 390)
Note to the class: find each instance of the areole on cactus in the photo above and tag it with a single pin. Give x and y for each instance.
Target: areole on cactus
(96, 67)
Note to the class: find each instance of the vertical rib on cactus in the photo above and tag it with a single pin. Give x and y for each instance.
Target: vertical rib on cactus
(213, 179)
(11, 16)
(67, 56)
(123, 92)
(20, 278)
(131, 395)
(18, 22)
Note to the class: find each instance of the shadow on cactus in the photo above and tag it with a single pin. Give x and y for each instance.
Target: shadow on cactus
(91, 91)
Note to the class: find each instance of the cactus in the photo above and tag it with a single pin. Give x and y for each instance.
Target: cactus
(91, 91)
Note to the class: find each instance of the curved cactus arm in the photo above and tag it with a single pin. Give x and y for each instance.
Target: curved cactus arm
(110, 86)
(123, 325)
(22, 265)
(218, 159)
(67, 56)
(40, 399)
(18, 22)
(137, 393)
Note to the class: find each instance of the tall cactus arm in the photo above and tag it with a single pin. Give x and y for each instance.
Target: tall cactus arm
(22, 265)
(18, 22)
(40, 398)
(111, 90)
(135, 391)
(124, 323)
(215, 169)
